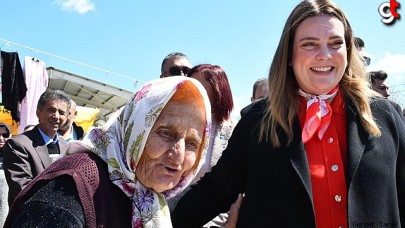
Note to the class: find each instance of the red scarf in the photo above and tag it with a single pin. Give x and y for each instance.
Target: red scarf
(319, 114)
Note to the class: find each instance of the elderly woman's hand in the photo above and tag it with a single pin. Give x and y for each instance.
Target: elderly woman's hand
(233, 213)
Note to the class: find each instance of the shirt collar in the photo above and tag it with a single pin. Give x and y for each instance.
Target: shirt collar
(337, 106)
(47, 139)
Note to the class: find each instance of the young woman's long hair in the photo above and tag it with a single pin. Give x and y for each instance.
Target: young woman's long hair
(283, 99)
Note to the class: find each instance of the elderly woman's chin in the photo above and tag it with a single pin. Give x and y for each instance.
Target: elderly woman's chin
(162, 184)
(159, 180)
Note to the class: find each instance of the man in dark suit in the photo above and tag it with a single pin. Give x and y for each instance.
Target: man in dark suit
(28, 154)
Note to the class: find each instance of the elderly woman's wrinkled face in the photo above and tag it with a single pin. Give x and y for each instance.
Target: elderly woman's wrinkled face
(172, 146)
(319, 54)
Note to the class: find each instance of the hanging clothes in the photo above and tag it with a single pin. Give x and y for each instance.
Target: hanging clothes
(13, 85)
(36, 79)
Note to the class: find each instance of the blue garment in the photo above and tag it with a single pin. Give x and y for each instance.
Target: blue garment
(47, 139)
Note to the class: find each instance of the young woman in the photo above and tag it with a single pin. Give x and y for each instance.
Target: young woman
(322, 151)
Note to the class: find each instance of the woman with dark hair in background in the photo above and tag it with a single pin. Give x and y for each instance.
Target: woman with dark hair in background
(216, 83)
(312, 154)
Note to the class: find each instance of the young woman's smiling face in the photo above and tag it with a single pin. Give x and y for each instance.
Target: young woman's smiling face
(319, 55)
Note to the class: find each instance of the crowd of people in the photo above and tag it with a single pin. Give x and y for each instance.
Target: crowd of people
(321, 145)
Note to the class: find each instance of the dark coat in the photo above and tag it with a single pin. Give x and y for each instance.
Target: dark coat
(276, 182)
(246, 109)
(103, 203)
(25, 156)
(14, 88)
(397, 108)
(79, 131)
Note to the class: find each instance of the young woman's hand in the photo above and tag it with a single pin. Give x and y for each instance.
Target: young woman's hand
(233, 213)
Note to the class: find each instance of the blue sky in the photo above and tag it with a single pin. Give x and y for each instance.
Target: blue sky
(131, 37)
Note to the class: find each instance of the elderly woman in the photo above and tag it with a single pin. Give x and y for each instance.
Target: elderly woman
(122, 173)
(322, 151)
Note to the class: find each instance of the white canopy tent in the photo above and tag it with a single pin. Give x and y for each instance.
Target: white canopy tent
(89, 93)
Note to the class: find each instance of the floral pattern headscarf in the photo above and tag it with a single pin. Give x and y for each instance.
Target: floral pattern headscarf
(121, 141)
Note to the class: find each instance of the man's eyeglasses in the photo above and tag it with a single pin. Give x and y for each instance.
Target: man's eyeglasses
(366, 60)
(176, 70)
(5, 135)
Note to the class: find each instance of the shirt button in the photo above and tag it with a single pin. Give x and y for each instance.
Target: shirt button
(335, 168)
(330, 140)
(341, 227)
(338, 198)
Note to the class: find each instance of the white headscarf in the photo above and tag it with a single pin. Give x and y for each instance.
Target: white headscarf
(121, 141)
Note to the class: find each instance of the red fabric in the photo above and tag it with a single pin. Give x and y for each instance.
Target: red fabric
(327, 159)
(315, 120)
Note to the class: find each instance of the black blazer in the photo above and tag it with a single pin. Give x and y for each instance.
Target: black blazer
(79, 131)
(25, 156)
(276, 182)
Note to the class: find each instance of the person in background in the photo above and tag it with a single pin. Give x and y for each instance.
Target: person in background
(361, 48)
(26, 155)
(379, 83)
(215, 82)
(120, 175)
(260, 90)
(377, 79)
(175, 63)
(70, 131)
(29, 127)
(321, 151)
(5, 134)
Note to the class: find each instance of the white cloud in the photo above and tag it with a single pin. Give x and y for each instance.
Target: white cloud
(392, 63)
(79, 6)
